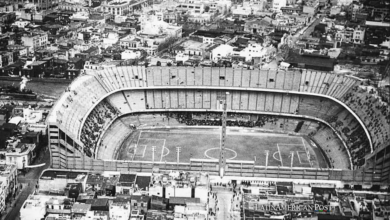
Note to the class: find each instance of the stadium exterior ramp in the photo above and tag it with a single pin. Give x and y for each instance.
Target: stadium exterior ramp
(127, 89)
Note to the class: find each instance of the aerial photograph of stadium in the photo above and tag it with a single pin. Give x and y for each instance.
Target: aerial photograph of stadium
(195, 110)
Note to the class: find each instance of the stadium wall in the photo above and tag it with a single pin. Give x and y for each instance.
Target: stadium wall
(361, 177)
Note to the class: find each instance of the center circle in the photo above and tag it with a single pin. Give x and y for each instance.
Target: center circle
(213, 153)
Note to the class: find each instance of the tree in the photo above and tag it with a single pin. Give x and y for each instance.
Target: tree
(166, 44)
(206, 8)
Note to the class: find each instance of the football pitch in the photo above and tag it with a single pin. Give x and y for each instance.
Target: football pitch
(173, 145)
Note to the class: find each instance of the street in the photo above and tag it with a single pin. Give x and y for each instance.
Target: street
(29, 182)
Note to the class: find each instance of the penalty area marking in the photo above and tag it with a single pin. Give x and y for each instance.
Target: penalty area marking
(226, 149)
(280, 156)
(143, 153)
(162, 152)
(299, 158)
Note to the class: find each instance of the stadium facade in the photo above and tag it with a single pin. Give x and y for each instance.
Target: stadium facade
(298, 93)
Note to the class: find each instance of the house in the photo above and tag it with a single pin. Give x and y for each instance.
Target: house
(191, 7)
(232, 26)
(8, 183)
(196, 211)
(35, 207)
(181, 201)
(130, 54)
(278, 4)
(126, 184)
(21, 23)
(314, 62)
(80, 210)
(140, 202)
(73, 190)
(99, 204)
(6, 58)
(191, 48)
(254, 50)
(150, 25)
(241, 12)
(35, 40)
(120, 209)
(75, 65)
(358, 35)
(96, 214)
(258, 26)
(206, 37)
(94, 182)
(159, 203)
(112, 38)
(21, 155)
(221, 51)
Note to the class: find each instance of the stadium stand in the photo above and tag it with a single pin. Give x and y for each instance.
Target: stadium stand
(98, 120)
(114, 136)
(331, 146)
(124, 90)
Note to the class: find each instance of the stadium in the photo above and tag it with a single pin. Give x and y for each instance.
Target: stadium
(280, 124)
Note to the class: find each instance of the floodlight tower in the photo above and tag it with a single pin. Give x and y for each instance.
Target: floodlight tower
(222, 158)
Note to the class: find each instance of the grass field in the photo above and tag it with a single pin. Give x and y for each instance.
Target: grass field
(263, 148)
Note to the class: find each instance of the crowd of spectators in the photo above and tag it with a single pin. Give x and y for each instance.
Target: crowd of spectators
(234, 119)
(374, 113)
(354, 137)
(101, 115)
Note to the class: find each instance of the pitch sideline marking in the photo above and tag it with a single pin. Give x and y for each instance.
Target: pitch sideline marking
(307, 151)
(304, 154)
(153, 139)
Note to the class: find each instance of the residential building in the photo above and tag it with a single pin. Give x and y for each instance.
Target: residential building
(80, 210)
(220, 52)
(8, 183)
(193, 48)
(126, 184)
(3, 196)
(21, 155)
(6, 58)
(259, 26)
(130, 54)
(36, 207)
(112, 38)
(21, 23)
(140, 202)
(150, 25)
(241, 12)
(191, 7)
(194, 211)
(120, 7)
(278, 4)
(358, 35)
(73, 6)
(35, 40)
(120, 209)
(207, 37)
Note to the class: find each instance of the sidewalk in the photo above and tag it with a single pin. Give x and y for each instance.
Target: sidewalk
(10, 205)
